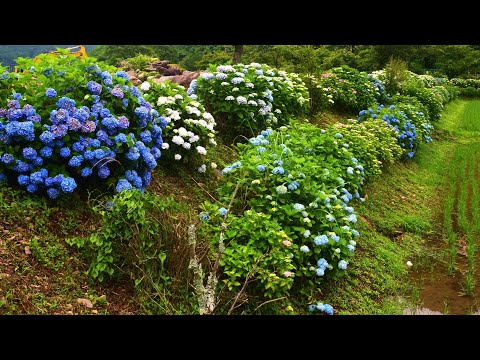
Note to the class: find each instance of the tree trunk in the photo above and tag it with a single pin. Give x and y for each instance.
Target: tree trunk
(237, 55)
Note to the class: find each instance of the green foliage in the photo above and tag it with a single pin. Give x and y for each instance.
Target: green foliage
(215, 58)
(50, 254)
(351, 90)
(395, 75)
(373, 143)
(246, 98)
(190, 130)
(130, 228)
(140, 61)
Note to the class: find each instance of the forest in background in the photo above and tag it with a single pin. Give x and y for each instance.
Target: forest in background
(449, 60)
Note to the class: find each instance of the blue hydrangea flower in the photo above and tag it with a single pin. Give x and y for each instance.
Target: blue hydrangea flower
(36, 178)
(86, 172)
(320, 240)
(330, 218)
(53, 193)
(355, 232)
(320, 272)
(31, 188)
(226, 170)
(299, 207)
(103, 172)
(23, 180)
(261, 168)
(117, 92)
(7, 158)
(76, 161)
(293, 185)
(342, 264)
(278, 170)
(50, 93)
(68, 185)
(65, 152)
(122, 185)
(304, 248)
(222, 211)
(204, 216)
(29, 153)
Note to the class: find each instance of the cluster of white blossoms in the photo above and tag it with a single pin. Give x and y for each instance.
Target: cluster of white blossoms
(190, 129)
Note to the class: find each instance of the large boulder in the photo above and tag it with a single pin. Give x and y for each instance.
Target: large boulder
(183, 79)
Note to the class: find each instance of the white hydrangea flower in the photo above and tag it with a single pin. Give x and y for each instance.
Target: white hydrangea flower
(182, 132)
(178, 97)
(165, 146)
(213, 165)
(202, 168)
(187, 145)
(229, 98)
(207, 116)
(178, 156)
(250, 85)
(194, 138)
(201, 150)
(145, 86)
(212, 141)
(178, 140)
(162, 100)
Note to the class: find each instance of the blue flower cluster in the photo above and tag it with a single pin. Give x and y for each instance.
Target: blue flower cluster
(325, 308)
(81, 138)
(380, 91)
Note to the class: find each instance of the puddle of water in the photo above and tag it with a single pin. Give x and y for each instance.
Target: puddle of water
(442, 293)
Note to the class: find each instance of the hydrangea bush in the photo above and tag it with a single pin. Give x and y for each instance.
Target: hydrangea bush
(190, 130)
(250, 97)
(416, 113)
(373, 143)
(298, 183)
(69, 121)
(351, 90)
(405, 129)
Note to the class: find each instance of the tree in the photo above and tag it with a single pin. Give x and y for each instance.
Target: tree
(237, 54)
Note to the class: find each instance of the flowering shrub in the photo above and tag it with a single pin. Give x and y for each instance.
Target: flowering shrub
(189, 130)
(413, 85)
(351, 89)
(416, 113)
(373, 143)
(298, 183)
(250, 96)
(406, 132)
(68, 121)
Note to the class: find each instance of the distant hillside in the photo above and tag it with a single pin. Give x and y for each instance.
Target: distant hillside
(8, 53)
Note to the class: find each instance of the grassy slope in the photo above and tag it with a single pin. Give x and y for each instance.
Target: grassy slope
(399, 222)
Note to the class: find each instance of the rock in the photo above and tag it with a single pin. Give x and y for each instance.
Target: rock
(150, 68)
(161, 63)
(133, 78)
(85, 302)
(162, 79)
(173, 70)
(123, 64)
(184, 79)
